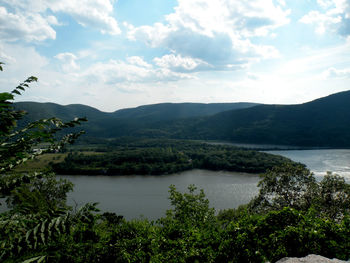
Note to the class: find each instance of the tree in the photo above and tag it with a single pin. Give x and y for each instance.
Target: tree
(37, 200)
(289, 185)
(17, 145)
(295, 186)
(333, 197)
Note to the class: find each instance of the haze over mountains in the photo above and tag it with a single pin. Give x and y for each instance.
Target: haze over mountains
(154, 112)
(323, 122)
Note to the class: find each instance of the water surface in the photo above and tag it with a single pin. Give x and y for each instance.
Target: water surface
(133, 196)
(321, 161)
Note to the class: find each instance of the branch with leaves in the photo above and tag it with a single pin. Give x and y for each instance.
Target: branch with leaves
(16, 146)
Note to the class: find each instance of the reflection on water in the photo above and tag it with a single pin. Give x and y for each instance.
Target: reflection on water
(321, 161)
(133, 196)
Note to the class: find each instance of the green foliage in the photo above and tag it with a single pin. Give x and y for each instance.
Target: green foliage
(190, 208)
(43, 194)
(38, 200)
(190, 230)
(295, 186)
(332, 198)
(288, 185)
(27, 234)
(284, 233)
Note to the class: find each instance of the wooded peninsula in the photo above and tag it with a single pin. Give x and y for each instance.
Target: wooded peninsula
(132, 156)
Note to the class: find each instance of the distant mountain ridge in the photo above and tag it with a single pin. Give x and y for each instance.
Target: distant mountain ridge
(170, 111)
(40, 110)
(125, 121)
(323, 122)
(154, 112)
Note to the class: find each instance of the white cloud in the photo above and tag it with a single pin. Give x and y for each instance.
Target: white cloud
(323, 21)
(115, 71)
(68, 61)
(335, 17)
(26, 26)
(138, 61)
(96, 14)
(179, 63)
(325, 3)
(217, 32)
(108, 85)
(32, 19)
(333, 73)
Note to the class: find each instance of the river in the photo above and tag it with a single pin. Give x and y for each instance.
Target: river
(322, 160)
(135, 196)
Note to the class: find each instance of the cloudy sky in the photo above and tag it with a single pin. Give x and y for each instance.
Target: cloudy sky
(115, 54)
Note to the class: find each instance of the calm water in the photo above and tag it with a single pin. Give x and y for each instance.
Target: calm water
(133, 196)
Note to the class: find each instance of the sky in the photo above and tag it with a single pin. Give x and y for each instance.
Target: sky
(113, 54)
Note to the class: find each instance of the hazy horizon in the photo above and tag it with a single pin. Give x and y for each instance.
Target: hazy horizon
(171, 103)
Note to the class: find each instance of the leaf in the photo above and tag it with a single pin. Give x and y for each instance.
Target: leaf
(16, 92)
(36, 230)
(57, 224)
(35, 259)
(42, 230)
(28, 234)
(42, 235)
(31, 79)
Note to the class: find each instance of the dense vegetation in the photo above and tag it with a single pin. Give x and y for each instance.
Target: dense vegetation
(293, 215)
(145, 156)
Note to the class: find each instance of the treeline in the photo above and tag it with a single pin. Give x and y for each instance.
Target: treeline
(155, 157)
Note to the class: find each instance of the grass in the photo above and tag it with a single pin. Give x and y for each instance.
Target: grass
(42, 162)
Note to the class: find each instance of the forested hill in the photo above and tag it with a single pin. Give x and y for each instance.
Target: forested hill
(324, 122)
(37, 110)
(153, 112)
(170, 111)
(132, 121)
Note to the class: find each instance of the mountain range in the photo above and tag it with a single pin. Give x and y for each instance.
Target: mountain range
(323, 122)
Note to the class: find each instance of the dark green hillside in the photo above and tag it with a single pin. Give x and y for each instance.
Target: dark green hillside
(38, 110)
(95, 126)
(169, 111)
(138, 121)
(323, 122)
